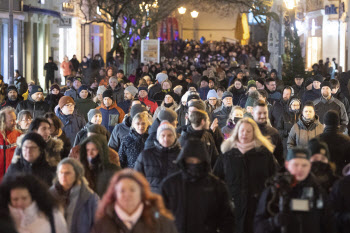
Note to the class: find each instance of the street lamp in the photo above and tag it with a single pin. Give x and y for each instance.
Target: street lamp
(290, 4)
(182, 11)
(194, 15)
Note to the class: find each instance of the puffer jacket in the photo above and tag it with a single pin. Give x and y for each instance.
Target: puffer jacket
(157, 163)
(300, 135)
(81, 135)
(119, 132)
(71, 124)
(130, 148)
(111, 116)
(37, 109)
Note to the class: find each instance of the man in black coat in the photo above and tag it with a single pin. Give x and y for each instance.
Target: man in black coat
(315, 92)
(260, 114)
(35, 103)
(199, 201)
(199, 129)
(336, 93)
(327, 102)
(338, 143)
(280, 106)
(298, 86)
(50, 68)
(306, 207)
(344, 82)
(12, 99)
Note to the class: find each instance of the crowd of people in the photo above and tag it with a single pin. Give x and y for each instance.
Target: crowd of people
(208, 140)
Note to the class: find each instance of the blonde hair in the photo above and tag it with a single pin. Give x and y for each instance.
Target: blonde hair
(141, 116)
(3, 113)
(259, 139)
(234, 108)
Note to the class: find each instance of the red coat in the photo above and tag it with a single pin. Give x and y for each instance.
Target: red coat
(7, 149)
(152, 105)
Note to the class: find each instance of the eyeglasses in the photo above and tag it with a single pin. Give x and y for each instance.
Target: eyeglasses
(69, 105)
(30, 148)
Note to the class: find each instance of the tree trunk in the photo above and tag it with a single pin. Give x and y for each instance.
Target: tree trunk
(127, 52)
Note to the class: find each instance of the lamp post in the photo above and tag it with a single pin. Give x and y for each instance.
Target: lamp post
(194, 15)
(182, 11)
(10, 44)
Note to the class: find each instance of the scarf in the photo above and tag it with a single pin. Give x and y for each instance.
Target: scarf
(244, 147)
(129, 220)
(307, 122)
(168, 105)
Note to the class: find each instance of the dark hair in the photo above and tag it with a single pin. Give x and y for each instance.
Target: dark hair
(263, 93)
(334, 83)
(223, 89)
(308, 104)
(268, 80)
(24, 113)
(259, 103)
(36, 187)
(57, 123)
(121, 71)
(36, 123)
(197, 116)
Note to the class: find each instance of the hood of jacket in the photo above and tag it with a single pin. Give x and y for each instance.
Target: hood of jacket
(101, 144)
(193, 148)
(154, 127)
(312, 126)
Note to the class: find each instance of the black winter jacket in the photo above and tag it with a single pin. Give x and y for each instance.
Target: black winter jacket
(245, 176)
(222, 115)
(157, 163)
(82, 134)
(201, 205)
(37, 109)
(53, 100)
(311, 95)
(9, 103)
(205, 136)
(317, 220)
(119, 132)
(274, 137)
(130, 148)
(288, 119)
(152, 134)
(322, 106)
(181, 115)
(277, 110)
(338, 146)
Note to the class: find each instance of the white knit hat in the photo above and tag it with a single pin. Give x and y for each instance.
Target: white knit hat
(165, 125)
(101, 89)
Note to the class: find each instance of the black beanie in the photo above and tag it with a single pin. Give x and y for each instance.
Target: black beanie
(12, 88)
(205, 78)
(331, 118)
(326, 84)
(143, 88)
(35, 89)
(55, 86)
(36, 138)
(137, 108)
(108, 93)
(315, 146)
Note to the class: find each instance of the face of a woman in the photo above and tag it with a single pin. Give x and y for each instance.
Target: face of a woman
(238, 85)
(140, 126)
(128, 194)
(20, 198)
(245, 133)
(295, 105)
(168, 99)
(237, 113)
(91, 150)
(52, 127)
(25, 122)
(30, 151)
(66, 176)
(55, 91)
(110, 73)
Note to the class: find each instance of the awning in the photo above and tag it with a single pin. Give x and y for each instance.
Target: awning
(28, 8)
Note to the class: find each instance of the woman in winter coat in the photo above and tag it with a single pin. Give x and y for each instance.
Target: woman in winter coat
(182, 110)
(95, 158)
(288, 119)
(32, 159)
(157, 162)
(79, 202)
(57, 132)
(213, 102)
(66, 67)
(307, 127)
(84, 102)
(166, 89)
(132, 145)
(54, 96)
(237, 90)
(235, 115)
(168, 102)
(245, 165)
(32, 209)
(94, 117)
(141, 212)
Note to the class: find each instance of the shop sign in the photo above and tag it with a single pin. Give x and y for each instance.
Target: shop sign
(150, 51)
(331, 10)
(67, 7)
(65, 22)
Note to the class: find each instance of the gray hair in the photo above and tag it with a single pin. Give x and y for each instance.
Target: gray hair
(77, 167)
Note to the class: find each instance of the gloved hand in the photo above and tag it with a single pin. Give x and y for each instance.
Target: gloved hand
(281, 219)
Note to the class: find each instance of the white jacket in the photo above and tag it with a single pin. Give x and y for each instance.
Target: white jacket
(32, 220)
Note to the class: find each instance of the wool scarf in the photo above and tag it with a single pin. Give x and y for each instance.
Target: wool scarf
(244, 147)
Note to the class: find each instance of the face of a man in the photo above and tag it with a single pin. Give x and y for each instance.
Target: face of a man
(143, 94)
(316, 84)
(128, 95)
(299, 167)
(271, 86)
(37, 96)
(286, 94)
(299, 81)
(326, 92)
(227, 101)
(12, 95)
(10, 121)
(260, 114)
